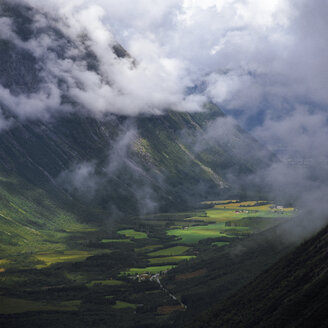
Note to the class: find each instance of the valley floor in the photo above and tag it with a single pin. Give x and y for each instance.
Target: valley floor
(150, 270)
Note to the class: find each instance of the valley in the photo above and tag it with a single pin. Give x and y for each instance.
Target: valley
(130, 272)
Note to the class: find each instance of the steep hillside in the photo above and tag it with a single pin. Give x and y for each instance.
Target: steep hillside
(123, 164)
(32, 220)
(292, 293)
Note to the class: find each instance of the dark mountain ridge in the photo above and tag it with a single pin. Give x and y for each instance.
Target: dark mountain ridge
(291, 293)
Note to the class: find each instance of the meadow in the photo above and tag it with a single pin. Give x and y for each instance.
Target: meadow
(151, 270)
(230, 219)
(130, 233)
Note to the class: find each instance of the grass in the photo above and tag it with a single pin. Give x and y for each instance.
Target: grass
(195, 234)
(211, 202)
(32, 221)
(110, 282)
(152, 270)
(254, 215)
(14, 305)
(130, 233)
(66, 256)
(170, 259)
(172, 251)
(123, 305)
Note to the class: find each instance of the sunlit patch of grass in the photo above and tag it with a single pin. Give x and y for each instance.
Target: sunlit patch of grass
(65, 256)
(225, 215)
(220, 201)
(130, 233)
(170, 259)
(124, 305)
(151, 270)
(4, 262)
(197, 233)
(172, 251)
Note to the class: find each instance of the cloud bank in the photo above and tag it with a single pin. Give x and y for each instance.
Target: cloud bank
(254, 58)
(263, 62)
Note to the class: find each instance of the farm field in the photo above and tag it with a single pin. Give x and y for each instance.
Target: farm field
(124, 305)
(130, 233)
(151, 269)
(85, 268)
(231, 219)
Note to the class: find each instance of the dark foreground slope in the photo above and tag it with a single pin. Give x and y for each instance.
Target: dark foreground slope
(292, 293)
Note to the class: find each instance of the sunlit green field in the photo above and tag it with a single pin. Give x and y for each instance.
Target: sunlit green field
(130, 233)
(124, 305)
(50, 258)
(66, 256)
(94, 261)
(152, 270)
(251, 216)
(195, 234)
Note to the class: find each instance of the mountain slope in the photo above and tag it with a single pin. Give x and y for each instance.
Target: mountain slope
(32, 220)
(123, 164)
(292, 293)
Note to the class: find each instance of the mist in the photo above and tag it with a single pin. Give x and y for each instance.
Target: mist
(263, 63)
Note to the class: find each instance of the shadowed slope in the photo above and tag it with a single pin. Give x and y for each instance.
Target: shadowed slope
(292, 293)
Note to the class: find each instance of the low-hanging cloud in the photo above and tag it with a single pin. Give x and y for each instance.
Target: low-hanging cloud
(251, 56)
(116, 84)
(264, 61)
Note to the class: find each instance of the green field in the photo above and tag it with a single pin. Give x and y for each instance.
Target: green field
(65, 256)
(92, 262)
(170, 259)
(123, 305)
(152, 270)
(130, 233)
(231, 218)
(172, 251)
(195, 234)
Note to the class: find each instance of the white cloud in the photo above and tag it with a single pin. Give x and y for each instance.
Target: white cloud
(254, 55)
